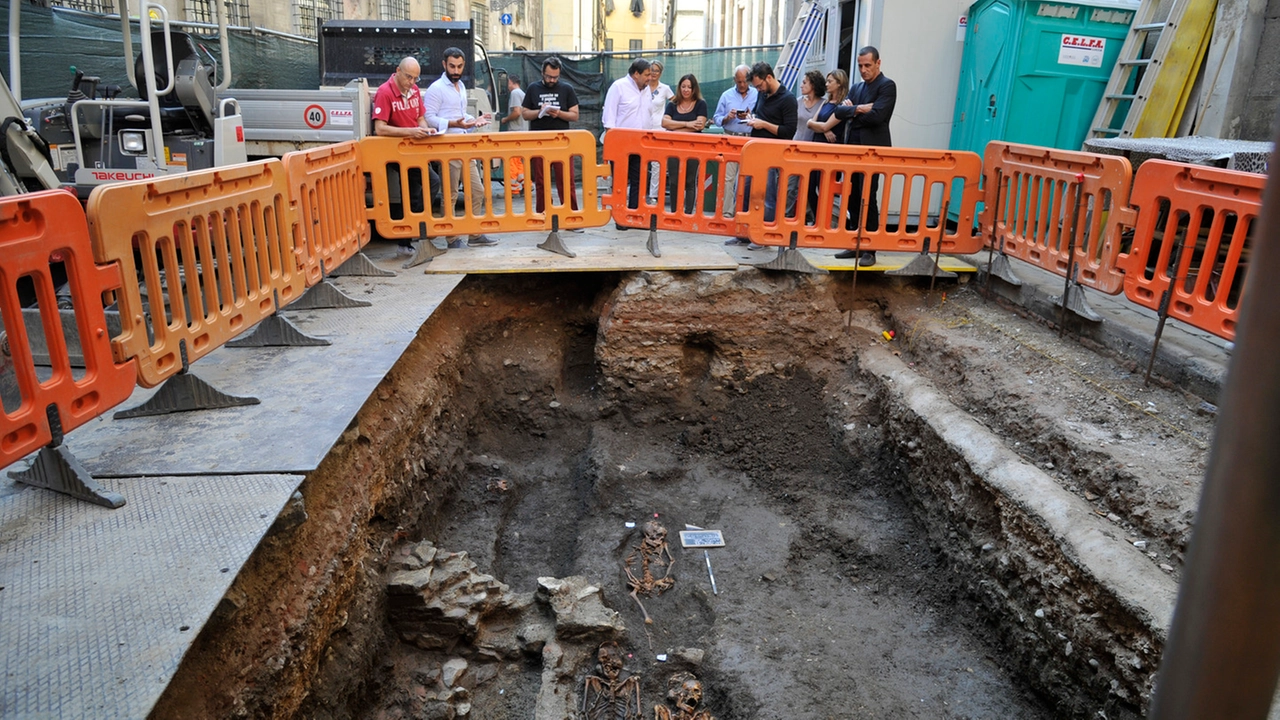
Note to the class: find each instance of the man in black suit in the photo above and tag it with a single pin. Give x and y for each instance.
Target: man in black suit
(868, 114)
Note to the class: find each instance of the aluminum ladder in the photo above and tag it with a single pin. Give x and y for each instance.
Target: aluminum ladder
(803, 31)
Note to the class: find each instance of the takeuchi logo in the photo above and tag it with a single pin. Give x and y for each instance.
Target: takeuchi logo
(1086, 43)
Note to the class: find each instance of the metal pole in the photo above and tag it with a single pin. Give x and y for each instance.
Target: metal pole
(1071, 253)
(1222, 657)
(126, 36)
(15, 53)
(995, 224)
(937, 256)
(1163, 313)
(857, 260)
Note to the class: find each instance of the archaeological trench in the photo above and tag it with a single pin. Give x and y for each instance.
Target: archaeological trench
(973, 519)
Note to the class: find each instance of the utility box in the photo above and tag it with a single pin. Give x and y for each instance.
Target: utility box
(1034, 72)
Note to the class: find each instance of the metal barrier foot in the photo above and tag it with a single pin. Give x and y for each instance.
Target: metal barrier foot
(56, 469)
(424, 251)
(791, 259)
(324, 296)
(553, 243)
(184, 392)
(359, 265)
(1077, 304)
(277, 331)
(652, 245)
(922, 266)
(1001, 268)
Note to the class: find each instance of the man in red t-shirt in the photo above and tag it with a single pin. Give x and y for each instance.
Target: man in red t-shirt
(397, 112)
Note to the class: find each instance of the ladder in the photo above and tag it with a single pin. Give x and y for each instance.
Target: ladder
(1155, 88)
(803, 31)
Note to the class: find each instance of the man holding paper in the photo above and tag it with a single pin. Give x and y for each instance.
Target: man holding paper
(550, 104)
(445, 105)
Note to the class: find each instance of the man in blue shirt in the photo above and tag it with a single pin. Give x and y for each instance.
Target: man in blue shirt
(735, 105)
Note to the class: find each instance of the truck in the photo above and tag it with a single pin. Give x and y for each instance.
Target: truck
(356, 56)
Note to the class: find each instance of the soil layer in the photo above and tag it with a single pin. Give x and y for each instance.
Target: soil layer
(531, 420)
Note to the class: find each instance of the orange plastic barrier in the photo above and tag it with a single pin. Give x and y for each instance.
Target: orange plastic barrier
(37, 233)
(912, 183)
(412, 159)
(1205, 217)
(214, 246)
(1037, 209)
(327, 185)
(691, 179)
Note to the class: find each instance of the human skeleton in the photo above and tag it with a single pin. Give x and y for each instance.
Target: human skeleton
(654, 555)
(609, 696)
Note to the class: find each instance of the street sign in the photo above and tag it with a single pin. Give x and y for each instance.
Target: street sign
(505, 19)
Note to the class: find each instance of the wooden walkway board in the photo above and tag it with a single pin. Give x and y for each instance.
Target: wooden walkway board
(600, 249)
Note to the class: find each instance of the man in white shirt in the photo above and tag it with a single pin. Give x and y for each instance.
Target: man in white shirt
(626, 105)
(445, 107)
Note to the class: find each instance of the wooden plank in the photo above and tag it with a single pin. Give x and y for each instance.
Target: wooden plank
(1180, 51)
(597, 250)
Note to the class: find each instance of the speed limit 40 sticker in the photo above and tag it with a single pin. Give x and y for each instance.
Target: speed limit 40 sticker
(314, 116)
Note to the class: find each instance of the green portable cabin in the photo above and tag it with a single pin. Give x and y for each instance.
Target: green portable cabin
(1034, 72)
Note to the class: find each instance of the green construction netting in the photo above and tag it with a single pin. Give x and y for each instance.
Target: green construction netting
(55, 39)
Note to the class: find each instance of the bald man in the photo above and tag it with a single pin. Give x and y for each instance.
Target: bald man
(397, 112)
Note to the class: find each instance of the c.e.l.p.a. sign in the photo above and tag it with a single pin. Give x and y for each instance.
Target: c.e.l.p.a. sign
(1082, 50)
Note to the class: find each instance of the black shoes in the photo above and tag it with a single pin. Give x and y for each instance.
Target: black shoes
(865, 258)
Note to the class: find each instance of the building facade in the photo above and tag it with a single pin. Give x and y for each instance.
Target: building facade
(304, 17)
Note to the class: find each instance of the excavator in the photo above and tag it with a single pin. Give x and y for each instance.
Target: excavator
(94, 136)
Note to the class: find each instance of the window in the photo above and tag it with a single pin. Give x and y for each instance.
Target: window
(480, 16)
(95, 6)
(442, 8)
(635, 45)
(237, 11)
(608, 44)
(393, 9)
(308, 15)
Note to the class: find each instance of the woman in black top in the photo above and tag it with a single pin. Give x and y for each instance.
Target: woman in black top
(687, 112)
(826, 127)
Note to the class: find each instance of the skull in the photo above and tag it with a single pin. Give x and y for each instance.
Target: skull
(610, 658)
(685, 690)
(654, 533)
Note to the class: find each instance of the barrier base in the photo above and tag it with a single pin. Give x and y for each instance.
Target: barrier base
(1001, 268)
(791, 259)
(277, 331)
(1077, 304)
(652, 244)
(184, 392)
(325, 296)
(56, 469)
(554, 244)
(922, 266)
(424, 251)
(359, 265)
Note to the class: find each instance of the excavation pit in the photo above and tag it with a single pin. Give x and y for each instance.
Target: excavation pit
(909, 532)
